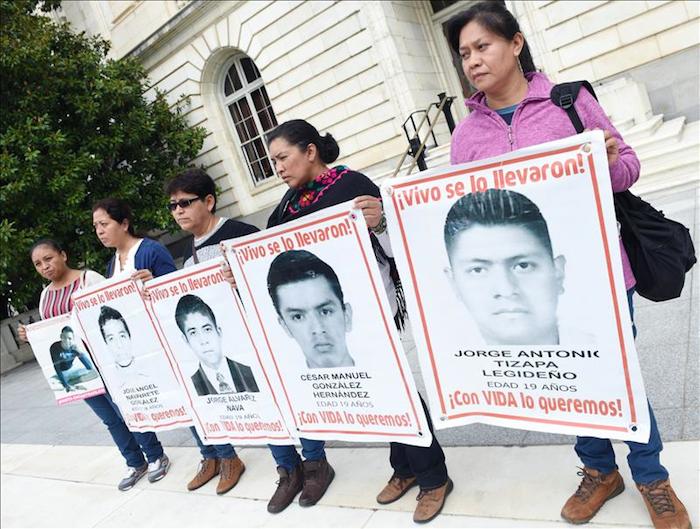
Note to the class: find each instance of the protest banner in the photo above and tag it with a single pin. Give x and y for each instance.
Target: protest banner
(208, 340)
(320, 317)
(64, 361)
(514, 285)
(129, 353)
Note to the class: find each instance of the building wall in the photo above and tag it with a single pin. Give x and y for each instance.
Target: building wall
(605, 40)
(357, 69)
(354, 69)
(673, 83)
(131, 21)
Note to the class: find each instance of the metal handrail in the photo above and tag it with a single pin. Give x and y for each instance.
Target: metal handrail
(444, 99)
(413, 123)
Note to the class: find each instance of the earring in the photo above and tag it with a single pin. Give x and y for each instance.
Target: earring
(520, 66)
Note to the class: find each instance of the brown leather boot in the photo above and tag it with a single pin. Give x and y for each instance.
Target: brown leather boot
(665, 509)
(594, 490)
(208, 468)
(288, 486)
(230, 471)
(395, 489)
(430, 502)
(317, 476)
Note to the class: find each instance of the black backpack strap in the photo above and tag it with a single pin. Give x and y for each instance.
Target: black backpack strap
(564, 96)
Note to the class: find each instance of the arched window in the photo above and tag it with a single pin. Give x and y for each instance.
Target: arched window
(249, 106)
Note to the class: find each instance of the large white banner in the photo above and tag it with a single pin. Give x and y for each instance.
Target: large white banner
(208, 340)
(122, 337)
(320, 317)
(515, 290)
(64, 361)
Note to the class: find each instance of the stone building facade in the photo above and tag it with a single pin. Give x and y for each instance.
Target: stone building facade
(358, 69)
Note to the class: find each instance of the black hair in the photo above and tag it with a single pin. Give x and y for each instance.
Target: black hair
(193, 180)
(118, 210)
(107, 314)
(299, 265)
(495, 207)
(65, 330)
(302, 133)
(190, 304)
(497, 19)
(51, 243)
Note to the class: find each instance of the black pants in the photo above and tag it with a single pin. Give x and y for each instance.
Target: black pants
(426, 463)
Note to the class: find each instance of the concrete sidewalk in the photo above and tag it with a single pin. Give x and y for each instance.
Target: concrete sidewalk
(75, 486)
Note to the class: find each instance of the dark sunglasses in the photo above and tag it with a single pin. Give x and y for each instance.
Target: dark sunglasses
(183, 203)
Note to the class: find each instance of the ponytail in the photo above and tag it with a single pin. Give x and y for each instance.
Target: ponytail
(302, 134)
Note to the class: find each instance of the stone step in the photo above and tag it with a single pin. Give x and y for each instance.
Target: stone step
(686, 147)
(623, 125)
(626, 102)
(674, 165)
(667, 134)
(680, 173)
(438, 153)
(683, 175)
(666, 165)
(7, 361)
(642, 130)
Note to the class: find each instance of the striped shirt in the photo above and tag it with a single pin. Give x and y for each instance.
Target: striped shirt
(58, 302)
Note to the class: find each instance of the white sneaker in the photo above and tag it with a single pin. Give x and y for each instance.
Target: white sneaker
(132, 476)
(158, 469)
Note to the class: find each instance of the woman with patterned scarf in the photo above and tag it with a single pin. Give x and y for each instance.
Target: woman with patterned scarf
(301, 156)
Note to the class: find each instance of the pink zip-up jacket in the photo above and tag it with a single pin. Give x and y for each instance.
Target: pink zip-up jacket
(484, 134)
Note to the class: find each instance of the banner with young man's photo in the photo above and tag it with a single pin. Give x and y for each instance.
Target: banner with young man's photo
(122, 337)
(64, 361)
(208, 340)
(514, 285)
(316, 302)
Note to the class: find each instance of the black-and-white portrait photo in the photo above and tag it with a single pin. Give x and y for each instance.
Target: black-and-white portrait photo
(117, 337)
(512, 268)
(123, 338)
(309, 301)
(324, 328)
(503, 269)
(216, 374)
(208, 342)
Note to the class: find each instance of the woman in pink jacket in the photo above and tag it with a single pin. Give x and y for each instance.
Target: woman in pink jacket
(511, 110)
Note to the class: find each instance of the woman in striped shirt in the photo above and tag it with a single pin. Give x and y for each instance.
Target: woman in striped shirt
(51, 262)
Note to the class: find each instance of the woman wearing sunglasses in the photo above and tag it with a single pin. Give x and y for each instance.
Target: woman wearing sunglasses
(192, 204)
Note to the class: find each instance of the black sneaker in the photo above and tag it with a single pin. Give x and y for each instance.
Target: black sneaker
(132, 476)
(158, 469)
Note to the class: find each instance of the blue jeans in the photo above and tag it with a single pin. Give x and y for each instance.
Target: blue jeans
(288, 458)
(213, 451)
(61, 374)
(644, 458)
(132, 445)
